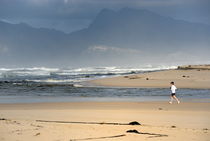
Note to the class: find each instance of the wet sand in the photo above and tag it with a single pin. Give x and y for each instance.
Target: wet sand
(183, 78)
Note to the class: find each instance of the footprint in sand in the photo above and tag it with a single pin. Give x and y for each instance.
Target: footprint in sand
(8, 121)
(39, 126)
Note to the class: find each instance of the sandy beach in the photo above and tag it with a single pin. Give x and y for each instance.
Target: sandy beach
(195, 77)
(159, 121)
(77, 121)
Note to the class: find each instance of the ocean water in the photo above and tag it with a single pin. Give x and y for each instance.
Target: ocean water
(26, 85)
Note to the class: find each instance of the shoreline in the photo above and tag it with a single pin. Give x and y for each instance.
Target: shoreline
(143, 99)
(101, 104)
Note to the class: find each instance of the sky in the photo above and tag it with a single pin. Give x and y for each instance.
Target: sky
(73, 15)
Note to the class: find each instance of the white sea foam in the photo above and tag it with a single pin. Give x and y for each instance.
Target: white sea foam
(78, 85)
(54, 81)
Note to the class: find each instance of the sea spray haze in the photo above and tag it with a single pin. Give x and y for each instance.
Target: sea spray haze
(126, 37)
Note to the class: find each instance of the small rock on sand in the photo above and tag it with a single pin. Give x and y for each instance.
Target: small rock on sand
(205, 129)
(37, 134)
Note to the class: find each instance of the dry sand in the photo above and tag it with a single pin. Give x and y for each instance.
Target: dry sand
(183, 78)
(160, 121)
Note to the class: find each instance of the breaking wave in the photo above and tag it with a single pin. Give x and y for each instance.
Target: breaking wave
(67, 75)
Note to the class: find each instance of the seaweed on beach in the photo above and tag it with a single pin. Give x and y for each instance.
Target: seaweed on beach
(145, 133)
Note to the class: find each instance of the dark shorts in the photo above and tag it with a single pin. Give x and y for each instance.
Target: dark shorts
(173, 94)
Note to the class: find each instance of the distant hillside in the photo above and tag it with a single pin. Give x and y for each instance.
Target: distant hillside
(114, 37)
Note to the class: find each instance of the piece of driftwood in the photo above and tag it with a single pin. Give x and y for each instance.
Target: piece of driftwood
(107, 137)
(79, 122)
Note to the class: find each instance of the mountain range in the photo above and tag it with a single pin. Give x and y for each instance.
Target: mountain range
(124, 37)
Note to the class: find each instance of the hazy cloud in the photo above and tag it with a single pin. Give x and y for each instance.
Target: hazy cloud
(3, 49)
(104, 49)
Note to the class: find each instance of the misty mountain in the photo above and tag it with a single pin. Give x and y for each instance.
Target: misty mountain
(114, 37)
(142, 29)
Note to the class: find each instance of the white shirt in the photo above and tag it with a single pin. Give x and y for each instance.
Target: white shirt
(173, 89)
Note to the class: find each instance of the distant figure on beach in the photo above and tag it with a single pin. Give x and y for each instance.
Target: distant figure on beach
(173, 93)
